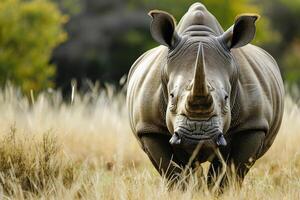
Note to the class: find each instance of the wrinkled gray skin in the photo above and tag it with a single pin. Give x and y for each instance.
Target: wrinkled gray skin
(206, 87)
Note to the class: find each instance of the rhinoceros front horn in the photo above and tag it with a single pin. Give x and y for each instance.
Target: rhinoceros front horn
(200, 99)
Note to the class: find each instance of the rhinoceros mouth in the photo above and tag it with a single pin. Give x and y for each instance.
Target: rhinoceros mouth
(181, 139)
(206, 134)
(194, 132)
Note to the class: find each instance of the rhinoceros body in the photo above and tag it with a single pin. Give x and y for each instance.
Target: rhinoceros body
(252, 85)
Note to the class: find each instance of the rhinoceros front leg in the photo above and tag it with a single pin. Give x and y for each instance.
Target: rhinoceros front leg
(240, 157)
(167, 161)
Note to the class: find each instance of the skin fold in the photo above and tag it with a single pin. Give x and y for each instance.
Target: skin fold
(204, 87)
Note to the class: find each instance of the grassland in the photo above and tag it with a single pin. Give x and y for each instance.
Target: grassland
(84, 149)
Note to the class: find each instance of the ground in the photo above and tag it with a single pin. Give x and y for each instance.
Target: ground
(84, 149)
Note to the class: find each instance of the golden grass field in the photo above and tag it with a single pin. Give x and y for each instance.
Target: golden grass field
(52, 149)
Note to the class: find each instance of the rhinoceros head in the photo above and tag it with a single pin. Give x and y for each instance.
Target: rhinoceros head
(200, 75)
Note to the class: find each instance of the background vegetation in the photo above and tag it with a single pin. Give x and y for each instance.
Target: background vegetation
(29, 30)
(106, 37)
(80, 147)
(102, 31)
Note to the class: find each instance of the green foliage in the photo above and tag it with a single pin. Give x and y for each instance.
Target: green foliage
(284, 17)
(291, 62)
(71, 7)
(293, 6)
(291, 57)
(29, 30)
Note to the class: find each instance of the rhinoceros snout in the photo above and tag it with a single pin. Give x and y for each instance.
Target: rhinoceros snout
(181, 140)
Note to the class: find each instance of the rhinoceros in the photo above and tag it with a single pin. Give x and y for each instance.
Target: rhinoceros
(203, 86)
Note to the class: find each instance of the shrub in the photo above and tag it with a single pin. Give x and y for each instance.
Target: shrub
(32, 163)
(29, 30)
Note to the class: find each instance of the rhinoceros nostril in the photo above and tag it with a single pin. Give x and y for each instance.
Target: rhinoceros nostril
(220, 141)
(175, 140)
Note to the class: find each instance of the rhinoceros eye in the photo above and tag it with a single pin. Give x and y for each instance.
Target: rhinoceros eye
(173, 102)
(225, 108)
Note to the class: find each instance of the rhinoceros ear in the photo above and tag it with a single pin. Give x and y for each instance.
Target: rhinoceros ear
(163, 29)
(242, 32)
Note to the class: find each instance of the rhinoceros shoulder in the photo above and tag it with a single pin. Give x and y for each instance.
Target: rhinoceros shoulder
(137, 63)
(144, 92)
(261, 92)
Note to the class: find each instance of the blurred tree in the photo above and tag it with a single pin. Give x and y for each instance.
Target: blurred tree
(29, 30)
(71, 7)
(291, 63)
(104, 39)
(284, 16)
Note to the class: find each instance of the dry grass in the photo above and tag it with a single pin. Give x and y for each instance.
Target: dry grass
(55, 150)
